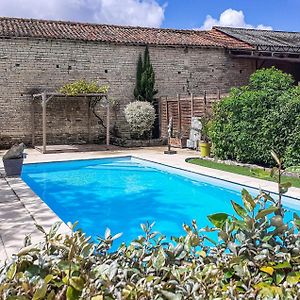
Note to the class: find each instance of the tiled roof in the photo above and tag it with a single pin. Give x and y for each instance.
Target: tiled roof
(265, 40)
(30, 28)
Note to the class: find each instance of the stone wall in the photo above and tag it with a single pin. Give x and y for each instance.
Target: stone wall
(28, 64)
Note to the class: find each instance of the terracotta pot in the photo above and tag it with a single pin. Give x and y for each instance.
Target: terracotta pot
(178, 142)
(13, 167)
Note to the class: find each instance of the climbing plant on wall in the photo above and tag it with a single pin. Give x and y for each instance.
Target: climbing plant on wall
(145, 79)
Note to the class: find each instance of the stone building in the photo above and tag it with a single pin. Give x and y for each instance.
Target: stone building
(38, 55)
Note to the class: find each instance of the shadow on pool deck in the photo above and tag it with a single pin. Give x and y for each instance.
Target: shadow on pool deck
(20, 209)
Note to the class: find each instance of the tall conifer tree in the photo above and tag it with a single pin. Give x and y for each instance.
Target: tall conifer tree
(139, 73)
(145, 79)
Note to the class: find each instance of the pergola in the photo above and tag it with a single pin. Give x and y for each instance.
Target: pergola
(45, 97)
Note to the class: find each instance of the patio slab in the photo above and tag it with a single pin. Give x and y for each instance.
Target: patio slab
(21, 208)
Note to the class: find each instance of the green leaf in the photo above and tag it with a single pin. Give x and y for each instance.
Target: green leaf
(261, 173)
(283, 265)
(228, 274)
(262, 213)
(293, 278)
(54, 228)
(107, 233)
(159, 260)
(284, 187)
(40, 228)
(218, 219)
(27, 249)
(239, 209)
(297, 220)
(41, 291)
(48, 278)
(144, 227)
(77, 283)
(116, 236)
(11, 271)
(150, 278)
(248, 200)
(72, 294)
(51, 295)
(279, 276)
(266, 238)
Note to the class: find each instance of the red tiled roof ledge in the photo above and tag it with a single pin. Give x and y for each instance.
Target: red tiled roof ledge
(44, 29)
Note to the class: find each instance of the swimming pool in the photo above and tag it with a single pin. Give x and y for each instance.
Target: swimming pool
(121, 193)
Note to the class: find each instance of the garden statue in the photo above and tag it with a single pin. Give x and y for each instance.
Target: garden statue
(195, 133)
(170, 127)
(170, 130)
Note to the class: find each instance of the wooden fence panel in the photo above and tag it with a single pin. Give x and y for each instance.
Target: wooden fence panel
(182, 109)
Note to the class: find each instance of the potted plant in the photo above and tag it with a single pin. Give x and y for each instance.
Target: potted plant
(204, 143)
(13, 160)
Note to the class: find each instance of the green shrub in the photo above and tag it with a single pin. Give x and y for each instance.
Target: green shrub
(271, 79)
(257, 118)
(257, 256)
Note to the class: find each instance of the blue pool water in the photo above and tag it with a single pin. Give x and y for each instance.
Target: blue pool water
(122, 193)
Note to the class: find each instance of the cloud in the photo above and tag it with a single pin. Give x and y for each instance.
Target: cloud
(121, 12)
(231, 18)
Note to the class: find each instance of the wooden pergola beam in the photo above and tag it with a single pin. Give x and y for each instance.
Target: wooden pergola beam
(68, 96)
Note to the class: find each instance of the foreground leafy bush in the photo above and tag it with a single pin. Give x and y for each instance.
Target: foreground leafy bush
(257, 256)
(140, 116)
(259, 117)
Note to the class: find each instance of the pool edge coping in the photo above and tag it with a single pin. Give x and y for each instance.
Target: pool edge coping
(217, 178)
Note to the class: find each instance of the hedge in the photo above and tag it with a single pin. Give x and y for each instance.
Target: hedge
(258, 118)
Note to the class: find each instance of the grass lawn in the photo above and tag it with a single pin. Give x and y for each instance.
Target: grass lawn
(239, 170)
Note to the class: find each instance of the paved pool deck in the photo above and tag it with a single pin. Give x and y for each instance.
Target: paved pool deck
(21, 208)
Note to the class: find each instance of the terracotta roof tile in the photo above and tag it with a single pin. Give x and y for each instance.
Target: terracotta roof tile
(30, 28)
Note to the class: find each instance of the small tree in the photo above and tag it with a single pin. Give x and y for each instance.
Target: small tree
(145, 79)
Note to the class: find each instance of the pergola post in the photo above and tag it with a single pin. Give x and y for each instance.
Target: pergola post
(44, 104)
(107, 125)
(89, 120)
(179, 113)
(32, 123)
